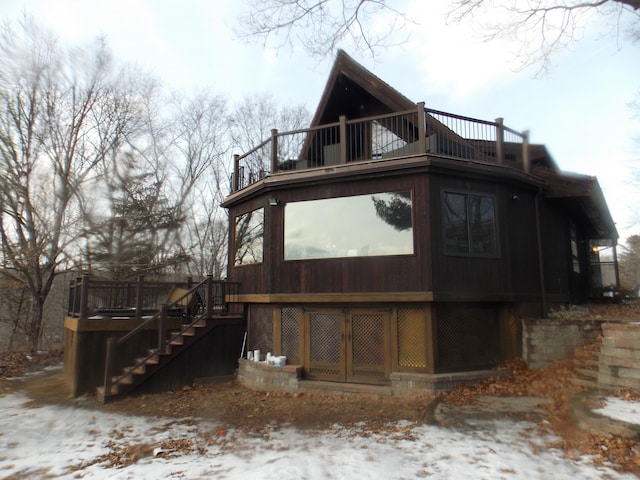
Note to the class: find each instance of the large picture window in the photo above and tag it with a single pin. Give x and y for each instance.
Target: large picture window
(249, 235)
(469, 222)
(358, 226)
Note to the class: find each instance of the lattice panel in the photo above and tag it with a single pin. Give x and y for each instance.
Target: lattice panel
(412, 338)
(368, 339)
(468, 337)
(290, 333)
(325, 333)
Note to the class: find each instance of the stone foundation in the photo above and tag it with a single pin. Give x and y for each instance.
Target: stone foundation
(288, 378)
(403, 384)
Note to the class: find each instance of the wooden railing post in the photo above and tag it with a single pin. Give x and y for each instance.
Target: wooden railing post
(236, 173)
(525, 152)
(139, 296)
(422, 129)
(343, 139)
(274, 150)
(162, 329)
(72, 301)
(108, 367)
(84, 298)
(209, 297)
(500, 140)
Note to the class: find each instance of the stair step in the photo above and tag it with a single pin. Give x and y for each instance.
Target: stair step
(188, 330)
(143, 366)
(139, 369)
(148, 361)
(125, 380)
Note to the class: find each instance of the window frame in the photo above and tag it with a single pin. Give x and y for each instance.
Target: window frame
(496, 230)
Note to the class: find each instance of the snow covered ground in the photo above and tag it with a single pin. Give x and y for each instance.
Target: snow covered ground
(74, 442)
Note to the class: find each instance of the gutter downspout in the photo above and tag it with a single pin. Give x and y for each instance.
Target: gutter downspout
(543, 292)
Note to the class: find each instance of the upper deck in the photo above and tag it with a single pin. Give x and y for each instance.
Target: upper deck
(387, 137)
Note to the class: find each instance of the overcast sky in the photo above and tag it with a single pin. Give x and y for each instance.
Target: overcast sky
(580, 110)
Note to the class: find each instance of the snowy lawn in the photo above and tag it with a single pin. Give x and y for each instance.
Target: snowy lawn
(74, 442)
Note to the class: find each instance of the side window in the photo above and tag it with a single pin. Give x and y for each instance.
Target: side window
(469, 224)
(249, 237)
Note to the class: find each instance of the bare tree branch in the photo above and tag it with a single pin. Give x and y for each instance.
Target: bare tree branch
(541, 27)
(320, 26)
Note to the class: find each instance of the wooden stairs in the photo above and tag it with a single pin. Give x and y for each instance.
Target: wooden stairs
(153, 360)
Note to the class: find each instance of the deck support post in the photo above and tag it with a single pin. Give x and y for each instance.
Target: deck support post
(111, 355)
(84, 298)
(274, 150)
(500, 140)
(236, 173)
(343, 139)
(209, 300)
(162, 329)
(139, 296)
(422, 128)
(526, 161)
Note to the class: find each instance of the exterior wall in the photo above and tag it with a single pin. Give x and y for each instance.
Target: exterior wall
(425, 338)
(400, 273)
(619, 365)
(546, 340)
(465, 278)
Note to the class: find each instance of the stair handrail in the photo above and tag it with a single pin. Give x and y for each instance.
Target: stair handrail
(161, 316)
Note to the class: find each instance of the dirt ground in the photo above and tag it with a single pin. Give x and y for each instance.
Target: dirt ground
(234, 406)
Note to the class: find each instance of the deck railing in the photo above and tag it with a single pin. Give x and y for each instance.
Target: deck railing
(384, 137)
(104, 299)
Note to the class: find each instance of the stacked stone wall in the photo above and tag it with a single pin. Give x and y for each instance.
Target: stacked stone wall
(619, 361)
(546, 340)
(269, 378)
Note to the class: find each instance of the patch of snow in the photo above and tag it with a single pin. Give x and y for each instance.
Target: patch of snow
(65, 442)
(621, 409)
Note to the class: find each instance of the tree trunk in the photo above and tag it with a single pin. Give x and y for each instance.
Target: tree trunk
(36, 323)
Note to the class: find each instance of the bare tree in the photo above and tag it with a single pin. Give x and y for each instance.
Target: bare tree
(321, 25)
(202, 145)
(542, 27)
(150, 184)
(56, 123)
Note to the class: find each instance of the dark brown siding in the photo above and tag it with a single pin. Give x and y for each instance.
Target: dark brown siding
(462, 277)
(556, 246)
(522, 246)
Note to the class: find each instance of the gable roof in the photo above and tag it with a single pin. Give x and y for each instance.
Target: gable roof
(357, 92)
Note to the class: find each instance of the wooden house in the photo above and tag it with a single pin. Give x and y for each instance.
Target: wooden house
(391, 244)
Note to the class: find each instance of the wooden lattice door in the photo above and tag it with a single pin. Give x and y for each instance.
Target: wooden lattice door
(348, 346)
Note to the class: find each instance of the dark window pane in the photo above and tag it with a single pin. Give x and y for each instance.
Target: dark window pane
(482, 225)
(456, 233)
(469, 223)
